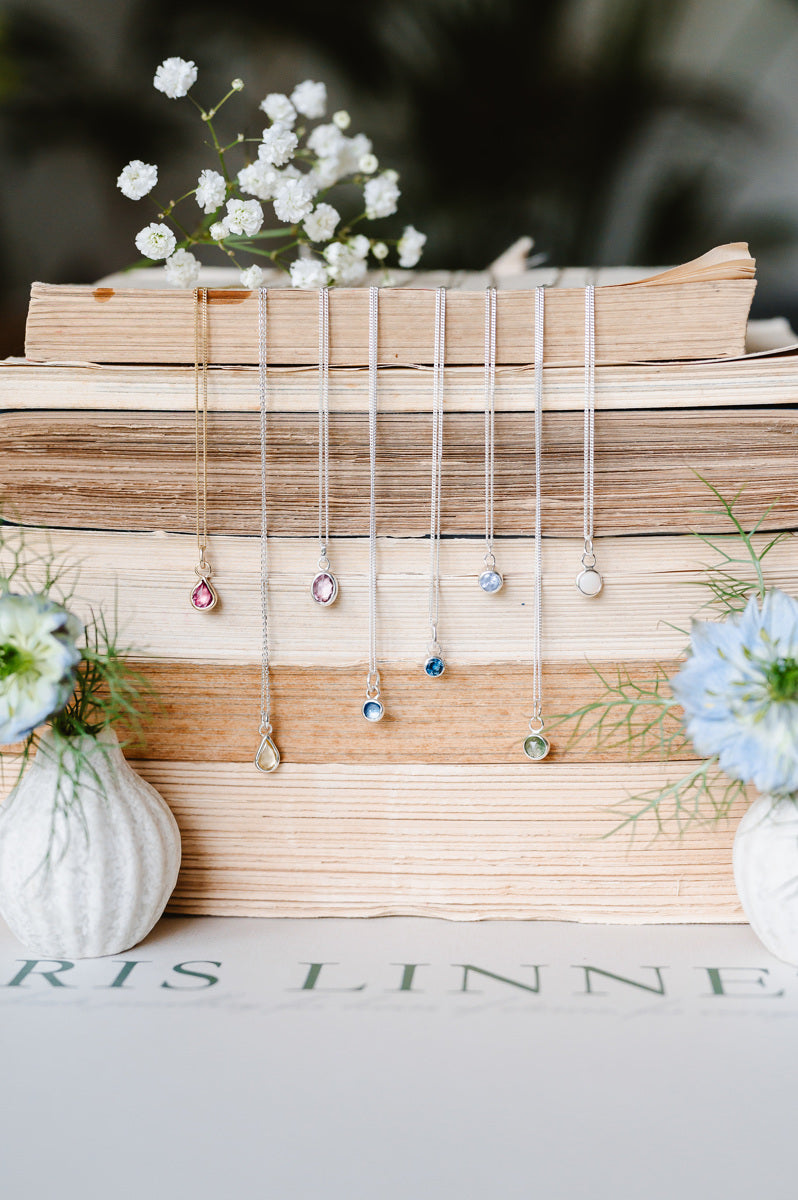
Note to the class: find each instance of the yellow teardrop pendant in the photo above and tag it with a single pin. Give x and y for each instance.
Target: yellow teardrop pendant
(268, 757)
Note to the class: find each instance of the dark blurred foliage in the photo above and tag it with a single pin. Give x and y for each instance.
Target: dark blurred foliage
(497, 128)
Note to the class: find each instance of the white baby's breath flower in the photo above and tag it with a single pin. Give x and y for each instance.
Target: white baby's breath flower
(379, 250)
(137, 179)
(410, 245)
(368, 164)
(308, 273)
(345, 267)
(279, 109)
(326, 172)
(320, 224)
(155, 241)
(244, 217)
(326, 140)
(182, 269)
(259, 179)
(211, 191)
(237, 84)
(277, 145)
(351, 151)
(310, 99)
(342, 118)
(392, 175)
(218, 231)
(359, 245)
(293, 200)
(174, 77)
(252, 277)
(381, 196)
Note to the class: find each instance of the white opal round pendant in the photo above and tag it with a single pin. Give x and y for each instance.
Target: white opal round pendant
(589, 582)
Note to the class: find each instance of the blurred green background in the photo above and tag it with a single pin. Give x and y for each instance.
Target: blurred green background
(611, 131)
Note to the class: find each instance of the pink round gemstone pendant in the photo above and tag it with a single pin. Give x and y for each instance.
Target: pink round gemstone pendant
(324, 588)
(204, 596)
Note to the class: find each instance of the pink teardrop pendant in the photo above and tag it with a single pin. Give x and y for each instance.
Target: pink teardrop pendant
(204, 597)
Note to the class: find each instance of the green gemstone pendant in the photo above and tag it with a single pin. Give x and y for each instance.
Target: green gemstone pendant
(536, 747)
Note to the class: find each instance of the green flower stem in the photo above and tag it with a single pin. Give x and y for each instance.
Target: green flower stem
(265, 233)
(165, 212)
(173, 203)
(272, 254)
(224, 99)
(207, 117)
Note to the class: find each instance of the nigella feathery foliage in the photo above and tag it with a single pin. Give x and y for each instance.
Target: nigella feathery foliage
(642, 716)
(108, 688)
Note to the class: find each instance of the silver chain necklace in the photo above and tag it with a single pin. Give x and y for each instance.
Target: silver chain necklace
(324, 588)
(490, 580)
(373, 709)
(434, 665)
(268, 756)
(589, 581)
(536, 746)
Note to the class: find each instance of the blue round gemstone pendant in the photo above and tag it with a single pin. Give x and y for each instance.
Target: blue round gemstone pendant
(373, 710)
(434, 666)
(491, 581)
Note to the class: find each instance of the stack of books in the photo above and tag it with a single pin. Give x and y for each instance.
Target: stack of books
(434, 811)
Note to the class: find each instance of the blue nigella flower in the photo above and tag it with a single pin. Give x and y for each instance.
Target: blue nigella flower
(38, 657)
(739, 691)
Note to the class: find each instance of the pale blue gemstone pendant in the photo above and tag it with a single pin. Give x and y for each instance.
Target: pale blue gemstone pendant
(373, 710)
(491, 581)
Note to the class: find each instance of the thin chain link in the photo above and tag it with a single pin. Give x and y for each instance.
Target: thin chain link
(490, 395)
(373, 681)
(590, 415)
(437, 461)
(201, 418)
(537, 653)
(324, 422)
(265, 679)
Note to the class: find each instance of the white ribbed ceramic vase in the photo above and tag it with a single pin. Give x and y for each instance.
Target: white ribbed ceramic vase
(766, 873)
(85, 871)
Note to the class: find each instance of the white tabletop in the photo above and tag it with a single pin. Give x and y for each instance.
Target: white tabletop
(290, 1081)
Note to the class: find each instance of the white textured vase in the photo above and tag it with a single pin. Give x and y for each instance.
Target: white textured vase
(766, 873)
(85, 871)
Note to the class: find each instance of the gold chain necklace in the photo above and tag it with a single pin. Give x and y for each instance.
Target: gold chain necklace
(203, 596)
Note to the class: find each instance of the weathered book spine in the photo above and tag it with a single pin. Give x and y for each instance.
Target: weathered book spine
(466, 842)
(634, 323)
(753, 382)
(135, 471)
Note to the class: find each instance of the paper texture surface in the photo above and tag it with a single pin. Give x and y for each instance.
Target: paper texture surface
(424, 1059)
